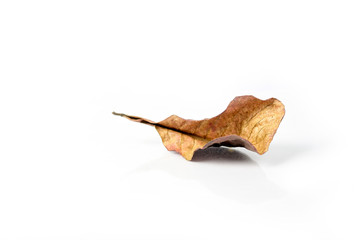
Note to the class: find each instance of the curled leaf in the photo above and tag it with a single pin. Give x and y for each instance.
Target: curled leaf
(247, 122)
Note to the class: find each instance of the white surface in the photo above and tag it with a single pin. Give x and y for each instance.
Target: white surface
(71, 170)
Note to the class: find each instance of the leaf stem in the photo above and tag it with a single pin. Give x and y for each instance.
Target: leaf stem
(119, 114)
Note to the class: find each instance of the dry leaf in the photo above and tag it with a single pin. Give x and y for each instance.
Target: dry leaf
(247, 122)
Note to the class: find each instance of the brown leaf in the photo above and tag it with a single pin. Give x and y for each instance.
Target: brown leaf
(247, 122)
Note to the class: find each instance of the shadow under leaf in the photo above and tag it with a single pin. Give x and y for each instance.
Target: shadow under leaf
(222, 154)
(227, 172)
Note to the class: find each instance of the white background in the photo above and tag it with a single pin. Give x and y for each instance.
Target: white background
(69, 169)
